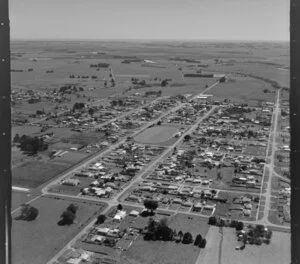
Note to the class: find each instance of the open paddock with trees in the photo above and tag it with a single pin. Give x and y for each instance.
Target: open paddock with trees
(246, 91)
(278, 251)
(187, 227)
(44, 232)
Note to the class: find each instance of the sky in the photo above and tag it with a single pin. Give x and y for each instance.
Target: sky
(263, 20)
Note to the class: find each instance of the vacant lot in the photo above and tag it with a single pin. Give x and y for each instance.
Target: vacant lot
(160, 252)
(37, 241)
(156, 134)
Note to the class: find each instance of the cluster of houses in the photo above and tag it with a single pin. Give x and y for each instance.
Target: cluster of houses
(106, 177)
(132, 157)
(154, 110)
(283, 205)
(187, 115)
(117, 232)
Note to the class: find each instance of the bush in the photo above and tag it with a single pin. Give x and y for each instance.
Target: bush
(202, 243)
(120, 207)
(73, 208)
(239, 226)
(198, 240)
(101, 219)
(28, 213)
(67, 218)
(212, 220)
(187, 238)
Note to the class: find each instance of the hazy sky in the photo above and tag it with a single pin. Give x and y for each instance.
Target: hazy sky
(150, 19)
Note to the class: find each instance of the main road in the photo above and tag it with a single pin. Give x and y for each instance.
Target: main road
(269, 168)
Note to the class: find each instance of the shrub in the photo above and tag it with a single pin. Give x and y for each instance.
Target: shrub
(101, 219)
(28, 213)
(73, 208)
(212, 220)
(239, 226)
(187, 238)
(202, 243)
(198, 240)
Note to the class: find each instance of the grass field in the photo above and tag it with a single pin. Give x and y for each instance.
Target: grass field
(246, 91)
(278, 251)
(159, 252)
(17, 198)
(156, 134)
(222, 250)
(37, 241)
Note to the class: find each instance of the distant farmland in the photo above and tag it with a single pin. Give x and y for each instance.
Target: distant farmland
(157, 134)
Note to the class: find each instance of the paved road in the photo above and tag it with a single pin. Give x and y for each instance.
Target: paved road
(269, 168)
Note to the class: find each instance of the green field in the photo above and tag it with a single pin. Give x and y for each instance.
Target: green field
(160, 252)
(248, 91)
(157, 134)
(33, 173)
(37, 241)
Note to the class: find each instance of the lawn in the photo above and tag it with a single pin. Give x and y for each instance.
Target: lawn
(157, 134)
(37, 241)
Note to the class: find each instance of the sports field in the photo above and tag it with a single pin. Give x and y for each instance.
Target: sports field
(158, 134)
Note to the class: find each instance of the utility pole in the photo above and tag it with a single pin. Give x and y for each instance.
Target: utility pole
(5, 137)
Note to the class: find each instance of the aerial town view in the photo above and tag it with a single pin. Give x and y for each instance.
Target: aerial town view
(150, 152)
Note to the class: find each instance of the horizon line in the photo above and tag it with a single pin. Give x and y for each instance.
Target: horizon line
(144, 39)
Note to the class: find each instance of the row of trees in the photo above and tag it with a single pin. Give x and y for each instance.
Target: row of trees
(238, 225)
(159, 230)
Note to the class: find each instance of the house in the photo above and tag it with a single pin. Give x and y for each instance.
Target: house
(120, 215)
(134, 198)
(197, 207)
(247, 212)
(177, 201)
(187, 204)
(248, 206)
(102, 231)
(71, 182)
(134, 213)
